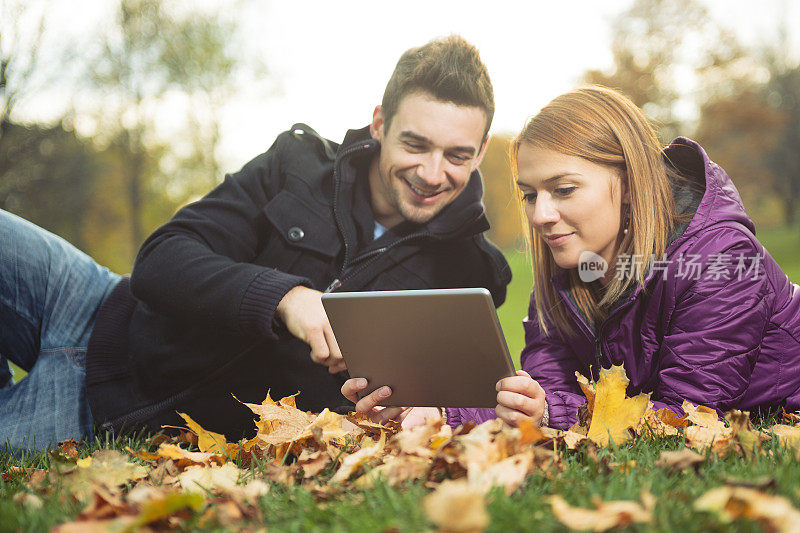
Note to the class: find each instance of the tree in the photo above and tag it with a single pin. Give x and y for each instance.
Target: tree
(660, 49)
(153, 53)
(500, 195)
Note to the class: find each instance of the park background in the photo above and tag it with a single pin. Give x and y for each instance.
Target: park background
(114, 114)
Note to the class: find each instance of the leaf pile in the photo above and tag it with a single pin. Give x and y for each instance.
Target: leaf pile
(219, 483)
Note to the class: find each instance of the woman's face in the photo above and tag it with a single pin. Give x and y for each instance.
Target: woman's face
(576, 205)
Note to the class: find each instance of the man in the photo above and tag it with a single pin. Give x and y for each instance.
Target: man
(224, 299)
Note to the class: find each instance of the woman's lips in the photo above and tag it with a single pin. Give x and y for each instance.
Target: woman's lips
(557, 239)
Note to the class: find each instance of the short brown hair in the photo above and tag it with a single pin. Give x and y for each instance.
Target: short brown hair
(449, 69)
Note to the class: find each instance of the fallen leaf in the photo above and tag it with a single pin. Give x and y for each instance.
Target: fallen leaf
(605, 515)
(209, 441)
(353, 462)
(107, 468)
(614, 414)
(703, 416)
(215, 479)
(313, 462)
(509, 473)
(30, 502)
(166, 506)
(680, 460)
(732, 503)
(457, 506)
(69, 448)
(702, 438)
(748, 440)
(588, 390)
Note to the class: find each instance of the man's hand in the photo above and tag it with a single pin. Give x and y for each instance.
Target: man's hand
(302, 312)
(520, 397)
(408, 416)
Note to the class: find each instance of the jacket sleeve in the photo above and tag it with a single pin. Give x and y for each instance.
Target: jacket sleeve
(199, 265)
(717, 325)
(552, 363)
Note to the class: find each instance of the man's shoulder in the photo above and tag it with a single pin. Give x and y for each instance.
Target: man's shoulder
(303, 140)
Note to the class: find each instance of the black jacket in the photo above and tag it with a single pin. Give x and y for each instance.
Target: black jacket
(195, 323)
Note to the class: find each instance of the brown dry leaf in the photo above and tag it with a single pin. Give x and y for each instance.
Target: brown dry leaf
(123, 524)
(732, 503)
(613, 413)
(30, 502)
(605, 515)
(588, 389)
(166, 507)
(509, 473)
(703, 416)
(457, 506)
(208, 441)
(13, 473)
(107, 468)
(313, 462)
(396, 470)
(660, 423)
(749, 441)
(69, 448)
(530, 432)
(793, 418)
(216, 479)
(680, 460)
(789, 436)
(282, 417)
(104, 505)
(184, 457)
(418, 440)
(354, 461)
(701, 438)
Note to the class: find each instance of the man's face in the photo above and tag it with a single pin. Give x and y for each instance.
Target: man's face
(427, 155)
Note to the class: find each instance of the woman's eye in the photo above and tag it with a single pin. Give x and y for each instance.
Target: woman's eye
(529, 197)
(565, 191)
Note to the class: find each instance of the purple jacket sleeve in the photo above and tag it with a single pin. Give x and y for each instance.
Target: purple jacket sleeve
(716, 327)
(552, 363)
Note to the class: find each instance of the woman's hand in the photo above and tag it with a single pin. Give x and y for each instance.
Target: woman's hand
(407, 416)
(518, 398)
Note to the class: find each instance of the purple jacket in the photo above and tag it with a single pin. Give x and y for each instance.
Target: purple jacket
(724, 333)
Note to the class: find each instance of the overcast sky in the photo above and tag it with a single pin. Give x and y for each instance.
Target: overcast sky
(331, 59)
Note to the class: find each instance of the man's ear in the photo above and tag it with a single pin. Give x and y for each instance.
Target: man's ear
(481, 153)
(376, 127)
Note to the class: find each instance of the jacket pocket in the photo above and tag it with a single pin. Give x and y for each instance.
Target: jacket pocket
(301, 224)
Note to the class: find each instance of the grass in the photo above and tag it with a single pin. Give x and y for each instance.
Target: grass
(383, 508)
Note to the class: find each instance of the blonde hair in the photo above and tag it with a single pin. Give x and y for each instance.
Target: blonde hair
(604, 127)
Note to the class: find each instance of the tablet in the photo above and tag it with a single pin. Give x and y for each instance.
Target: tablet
(434, 348)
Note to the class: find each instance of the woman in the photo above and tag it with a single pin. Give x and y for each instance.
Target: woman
(690, 303)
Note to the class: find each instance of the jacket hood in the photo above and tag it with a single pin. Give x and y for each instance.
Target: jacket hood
(464, 216)
(720, 201)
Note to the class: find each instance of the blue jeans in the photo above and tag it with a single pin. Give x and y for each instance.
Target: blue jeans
(50, 293)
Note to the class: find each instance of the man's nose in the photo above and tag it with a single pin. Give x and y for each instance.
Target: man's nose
(544, 211)
(431, 170)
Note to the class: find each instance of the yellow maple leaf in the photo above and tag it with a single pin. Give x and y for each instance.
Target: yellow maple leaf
(207, 441)
(613, 412)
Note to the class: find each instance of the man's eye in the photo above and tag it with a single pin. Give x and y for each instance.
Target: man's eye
(458, 158)
(414, 146)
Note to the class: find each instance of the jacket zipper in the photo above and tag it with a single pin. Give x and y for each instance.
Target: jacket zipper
(598, 343)
(373, 255)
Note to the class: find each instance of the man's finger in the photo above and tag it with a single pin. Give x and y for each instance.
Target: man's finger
(319, 346)
(352, 387)
(373, 399)
(333, 346)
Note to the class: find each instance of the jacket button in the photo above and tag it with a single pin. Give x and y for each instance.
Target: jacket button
(296, 234)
